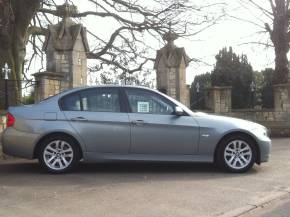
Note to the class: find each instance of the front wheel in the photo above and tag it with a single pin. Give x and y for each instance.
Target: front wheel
(237, 154)
(58, 154)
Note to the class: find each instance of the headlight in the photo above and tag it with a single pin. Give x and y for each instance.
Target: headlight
(261, 132)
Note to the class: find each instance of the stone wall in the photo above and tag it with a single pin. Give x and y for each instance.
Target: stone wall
(2, 120)
(277, 120)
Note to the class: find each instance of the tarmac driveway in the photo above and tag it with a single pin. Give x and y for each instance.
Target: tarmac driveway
(143, 189)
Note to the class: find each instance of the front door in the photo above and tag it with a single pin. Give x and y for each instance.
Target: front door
(154, 127)
(97, 116)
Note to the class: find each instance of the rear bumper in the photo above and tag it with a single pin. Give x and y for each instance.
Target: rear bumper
(19, 144)
(265, 146)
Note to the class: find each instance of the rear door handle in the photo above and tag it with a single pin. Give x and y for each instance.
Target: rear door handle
(79, 119)
(137, 122)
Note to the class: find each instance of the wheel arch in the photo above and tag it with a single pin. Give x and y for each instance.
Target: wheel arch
(240, 133)
(56, 133)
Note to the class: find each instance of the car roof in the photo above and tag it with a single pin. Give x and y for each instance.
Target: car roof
(68, 91)
(111, 85)
(75, 89)
(105, 85)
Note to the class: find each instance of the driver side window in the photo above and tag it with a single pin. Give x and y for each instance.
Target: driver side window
(141, 101)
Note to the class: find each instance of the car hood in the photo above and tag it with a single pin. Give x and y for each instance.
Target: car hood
(227, 122)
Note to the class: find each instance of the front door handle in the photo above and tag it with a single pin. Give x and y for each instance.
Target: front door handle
(137, 122)
(79, 119)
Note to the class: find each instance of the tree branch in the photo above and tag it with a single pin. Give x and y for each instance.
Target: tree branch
(35, 30)
(123, 68)
(270, 31)
(94, 13)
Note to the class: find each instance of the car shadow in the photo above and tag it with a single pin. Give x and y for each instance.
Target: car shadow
(145, 167)
(32, 168)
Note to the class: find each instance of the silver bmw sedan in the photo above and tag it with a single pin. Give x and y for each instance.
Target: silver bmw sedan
(129, 123)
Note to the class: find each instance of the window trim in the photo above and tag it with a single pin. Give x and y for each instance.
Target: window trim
(96, 89)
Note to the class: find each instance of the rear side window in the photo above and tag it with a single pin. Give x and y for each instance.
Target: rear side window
(94, 100)
(104, 100)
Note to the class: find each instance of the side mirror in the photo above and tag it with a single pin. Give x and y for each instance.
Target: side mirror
(178, 111)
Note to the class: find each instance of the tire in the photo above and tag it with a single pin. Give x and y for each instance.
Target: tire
(59, 154)
(236, 154)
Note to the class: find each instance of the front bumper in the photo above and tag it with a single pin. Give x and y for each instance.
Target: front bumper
(265, 146)
(19, 144)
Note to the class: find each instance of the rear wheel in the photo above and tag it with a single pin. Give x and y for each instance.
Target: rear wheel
(59, 154)
(237, 154)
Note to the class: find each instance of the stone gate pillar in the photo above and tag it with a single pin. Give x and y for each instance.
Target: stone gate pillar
(282, 97)
(47, 84)
(66, 48)
(170, 65)
(219, 99)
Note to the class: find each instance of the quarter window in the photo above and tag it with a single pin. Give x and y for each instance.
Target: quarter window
(146, 102)
(71, 102)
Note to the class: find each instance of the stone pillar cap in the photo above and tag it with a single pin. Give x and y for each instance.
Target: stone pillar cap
(220, 87)
(49, 74)
(282, 85)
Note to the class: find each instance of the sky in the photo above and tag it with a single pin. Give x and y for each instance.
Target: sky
(229, 31)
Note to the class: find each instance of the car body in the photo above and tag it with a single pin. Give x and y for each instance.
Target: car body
(129, 123)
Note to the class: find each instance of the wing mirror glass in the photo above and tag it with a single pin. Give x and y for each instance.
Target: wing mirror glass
(178, 111)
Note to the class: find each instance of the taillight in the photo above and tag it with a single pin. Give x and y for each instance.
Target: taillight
(10, 120)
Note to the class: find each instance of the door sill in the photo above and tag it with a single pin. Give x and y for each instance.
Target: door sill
(99, 157)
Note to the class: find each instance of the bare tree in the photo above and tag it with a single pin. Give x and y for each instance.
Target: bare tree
(15, 17)
(23, 22)
(275, 21)
(280, 36)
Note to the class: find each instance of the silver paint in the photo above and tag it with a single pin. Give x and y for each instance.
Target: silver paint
(128, 136)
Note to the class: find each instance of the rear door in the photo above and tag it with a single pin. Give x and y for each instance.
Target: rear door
(99, 118)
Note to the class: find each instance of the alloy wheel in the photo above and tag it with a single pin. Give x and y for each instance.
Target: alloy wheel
(238, 154)
(58, 155)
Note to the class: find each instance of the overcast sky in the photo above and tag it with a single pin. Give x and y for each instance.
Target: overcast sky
(232, 32)
(204, 46)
